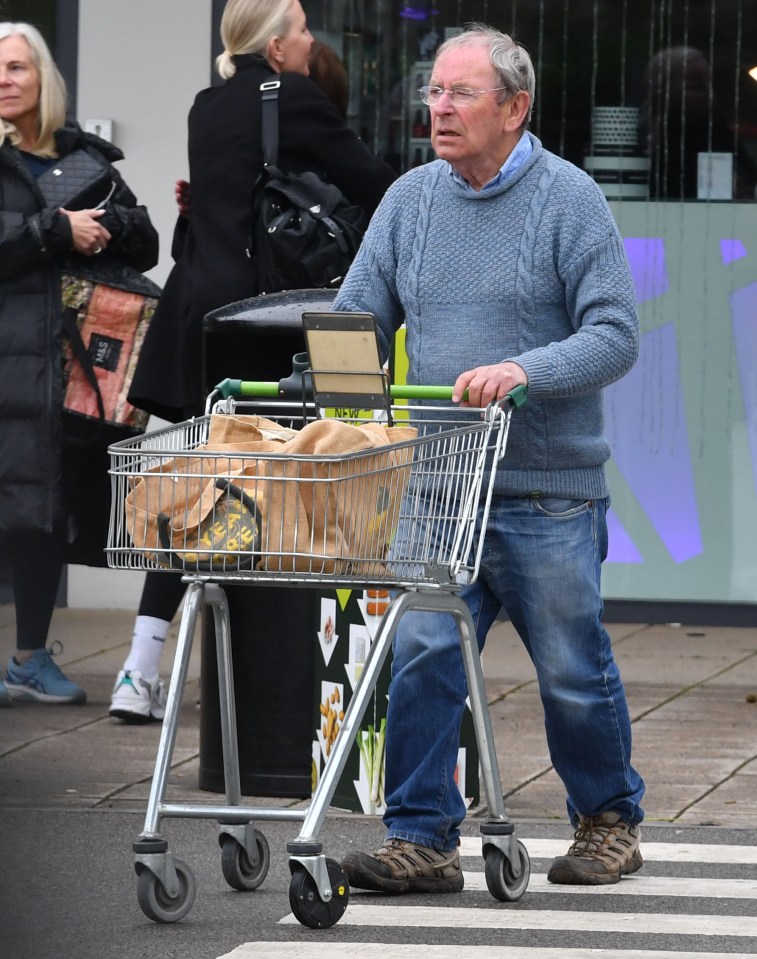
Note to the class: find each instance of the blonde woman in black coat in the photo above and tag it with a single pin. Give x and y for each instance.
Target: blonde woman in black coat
(263, 39)
(41, 518)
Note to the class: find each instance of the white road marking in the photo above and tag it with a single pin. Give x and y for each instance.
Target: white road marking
(638, 923)
(307, 949)
(652, 851)
(636, 885)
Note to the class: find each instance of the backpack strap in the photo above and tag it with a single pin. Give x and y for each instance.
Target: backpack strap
(270, 120)
(269, 95)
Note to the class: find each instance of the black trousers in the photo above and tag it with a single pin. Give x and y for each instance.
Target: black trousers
(161, 595)
(36, 561)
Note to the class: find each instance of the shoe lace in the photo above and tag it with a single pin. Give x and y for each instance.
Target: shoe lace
(391, 849)
(410, 855)
(55, 648)
(592, 833)
(47, 665)
(402, 860)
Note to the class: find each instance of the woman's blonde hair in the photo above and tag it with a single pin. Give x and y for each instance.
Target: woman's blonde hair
(52, 91)
(247, 26)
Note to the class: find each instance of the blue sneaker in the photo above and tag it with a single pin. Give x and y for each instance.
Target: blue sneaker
(39, 678)
(5, 696)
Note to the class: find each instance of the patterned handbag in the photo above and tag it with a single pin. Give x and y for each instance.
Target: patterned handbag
(106, 312)
(107, 307)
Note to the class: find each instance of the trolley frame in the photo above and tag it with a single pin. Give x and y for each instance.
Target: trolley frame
(166, 886)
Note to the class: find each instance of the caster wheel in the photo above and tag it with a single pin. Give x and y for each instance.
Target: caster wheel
(308, 907)
(238, 871)
(500, 879)
(155, 902)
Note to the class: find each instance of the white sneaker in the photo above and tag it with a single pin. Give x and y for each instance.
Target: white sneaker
(135, 700)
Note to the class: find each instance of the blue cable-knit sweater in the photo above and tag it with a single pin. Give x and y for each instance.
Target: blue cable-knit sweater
(533, 271)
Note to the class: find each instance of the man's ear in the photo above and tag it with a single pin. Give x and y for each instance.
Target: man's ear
(517, 107)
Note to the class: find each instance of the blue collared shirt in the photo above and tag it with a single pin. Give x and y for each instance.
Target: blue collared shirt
(513, 163)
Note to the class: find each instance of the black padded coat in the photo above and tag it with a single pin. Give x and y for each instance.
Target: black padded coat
(34, 241)
(213, 270)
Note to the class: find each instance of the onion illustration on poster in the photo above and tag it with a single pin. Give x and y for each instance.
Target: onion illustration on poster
(348, 622)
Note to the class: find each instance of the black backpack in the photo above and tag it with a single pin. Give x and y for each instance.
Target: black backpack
(305, 233)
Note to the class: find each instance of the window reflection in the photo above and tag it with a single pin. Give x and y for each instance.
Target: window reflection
(693, 149)
(673, 73)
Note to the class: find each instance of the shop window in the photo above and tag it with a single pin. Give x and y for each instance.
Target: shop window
(654, 100)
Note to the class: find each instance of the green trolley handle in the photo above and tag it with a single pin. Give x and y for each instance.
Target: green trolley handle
(253, 388)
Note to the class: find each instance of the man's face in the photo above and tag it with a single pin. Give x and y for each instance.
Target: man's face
(467, 136)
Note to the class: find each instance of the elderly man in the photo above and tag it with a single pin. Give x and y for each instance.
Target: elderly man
(507, 268)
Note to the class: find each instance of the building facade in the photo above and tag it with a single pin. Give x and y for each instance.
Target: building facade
(657, 101)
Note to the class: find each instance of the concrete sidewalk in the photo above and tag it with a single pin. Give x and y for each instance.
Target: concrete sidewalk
(692, 695)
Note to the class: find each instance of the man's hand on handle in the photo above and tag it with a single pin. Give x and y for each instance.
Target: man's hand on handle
(485, 384)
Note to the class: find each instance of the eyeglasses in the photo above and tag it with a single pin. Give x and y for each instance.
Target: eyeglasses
(459, 96)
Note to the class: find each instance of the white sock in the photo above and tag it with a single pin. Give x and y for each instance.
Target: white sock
(147, 646)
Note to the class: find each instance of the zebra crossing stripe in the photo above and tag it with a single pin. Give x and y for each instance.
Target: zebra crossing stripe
(443, 917)
(307, 949)
(636, 885)
(652, 851)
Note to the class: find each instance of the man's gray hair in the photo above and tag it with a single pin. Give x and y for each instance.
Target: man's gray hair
(510, 61)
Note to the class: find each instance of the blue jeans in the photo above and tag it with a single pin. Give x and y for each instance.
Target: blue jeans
(541, 563)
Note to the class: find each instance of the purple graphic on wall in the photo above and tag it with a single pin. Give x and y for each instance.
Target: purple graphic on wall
(646, 257)
(744, 319)
(731, 250)
(646, 418)
(621, 548)
(651, 448)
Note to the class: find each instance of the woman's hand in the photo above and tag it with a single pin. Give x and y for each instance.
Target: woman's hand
(89, 236)
(182, 192)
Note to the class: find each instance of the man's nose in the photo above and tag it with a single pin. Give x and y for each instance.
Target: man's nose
(444, 104)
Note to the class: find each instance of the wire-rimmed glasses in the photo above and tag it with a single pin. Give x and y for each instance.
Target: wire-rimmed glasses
(459, 96)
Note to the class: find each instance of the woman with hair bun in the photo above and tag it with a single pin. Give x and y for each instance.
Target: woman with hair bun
(263, 40)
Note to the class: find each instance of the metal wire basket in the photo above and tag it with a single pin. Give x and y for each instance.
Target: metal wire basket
(402, 513)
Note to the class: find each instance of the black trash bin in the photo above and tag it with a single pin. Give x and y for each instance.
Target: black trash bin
(255, 339)
(272, 627)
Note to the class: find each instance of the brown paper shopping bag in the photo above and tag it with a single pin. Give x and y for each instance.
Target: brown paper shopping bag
(324, 499)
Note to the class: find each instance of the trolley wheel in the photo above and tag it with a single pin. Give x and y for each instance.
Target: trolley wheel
(238, 871)
(500, 879)
(155, 902)
(308, 907)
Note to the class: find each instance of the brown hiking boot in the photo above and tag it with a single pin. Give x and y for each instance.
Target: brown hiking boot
(604, 849)
(400, 866)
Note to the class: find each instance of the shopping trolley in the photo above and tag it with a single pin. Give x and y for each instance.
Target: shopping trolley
(431, 491)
